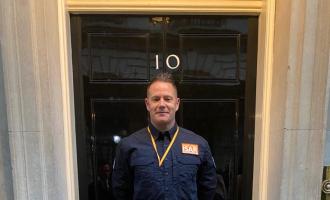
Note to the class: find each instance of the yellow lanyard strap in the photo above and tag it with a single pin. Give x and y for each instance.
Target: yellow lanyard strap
(160, 161)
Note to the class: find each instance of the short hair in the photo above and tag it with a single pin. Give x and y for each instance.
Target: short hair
(163, 77)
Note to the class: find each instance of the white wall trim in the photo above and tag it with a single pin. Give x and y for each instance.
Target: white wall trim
(263, 100)
(153, 6)
(68, 101)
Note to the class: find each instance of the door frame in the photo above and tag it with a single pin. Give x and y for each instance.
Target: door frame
(265, 9)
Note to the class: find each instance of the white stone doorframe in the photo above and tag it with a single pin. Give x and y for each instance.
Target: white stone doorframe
(291, 102)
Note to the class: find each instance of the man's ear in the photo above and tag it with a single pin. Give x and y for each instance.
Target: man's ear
(177, 103)
(146, 101)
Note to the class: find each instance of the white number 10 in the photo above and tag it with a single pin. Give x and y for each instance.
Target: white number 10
(167, 61)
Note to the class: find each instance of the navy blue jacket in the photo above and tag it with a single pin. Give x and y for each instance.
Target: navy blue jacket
(137, 175)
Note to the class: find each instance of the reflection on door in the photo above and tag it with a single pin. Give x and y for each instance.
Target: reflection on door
(213, 59)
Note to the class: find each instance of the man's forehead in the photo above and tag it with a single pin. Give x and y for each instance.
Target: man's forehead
(164, 94)
(161, 95)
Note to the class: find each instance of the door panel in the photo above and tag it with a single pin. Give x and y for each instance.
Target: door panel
(209, 57)
(213, 59)
(119, 56)
(217, 122)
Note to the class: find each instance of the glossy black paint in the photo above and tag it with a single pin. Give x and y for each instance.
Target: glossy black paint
(114, 57)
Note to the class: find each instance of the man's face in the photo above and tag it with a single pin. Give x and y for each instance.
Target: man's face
(162, 103)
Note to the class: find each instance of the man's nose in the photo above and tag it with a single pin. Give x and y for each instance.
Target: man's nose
(161, 102)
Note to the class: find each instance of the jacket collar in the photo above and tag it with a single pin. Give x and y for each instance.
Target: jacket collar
(156, 133)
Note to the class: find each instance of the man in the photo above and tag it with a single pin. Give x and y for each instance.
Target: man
(163, 160)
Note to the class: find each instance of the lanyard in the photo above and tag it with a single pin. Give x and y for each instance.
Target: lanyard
(161, 160)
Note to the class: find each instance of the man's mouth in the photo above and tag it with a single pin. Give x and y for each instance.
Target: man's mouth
(161, 112)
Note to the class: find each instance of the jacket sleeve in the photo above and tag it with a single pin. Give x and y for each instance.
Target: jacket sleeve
(207, 180)
(122, 185)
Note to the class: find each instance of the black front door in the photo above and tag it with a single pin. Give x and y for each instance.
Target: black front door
(213, 59)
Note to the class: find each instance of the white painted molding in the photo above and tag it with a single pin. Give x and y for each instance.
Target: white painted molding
(263, 101)
(68, 102)
(169, 6)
